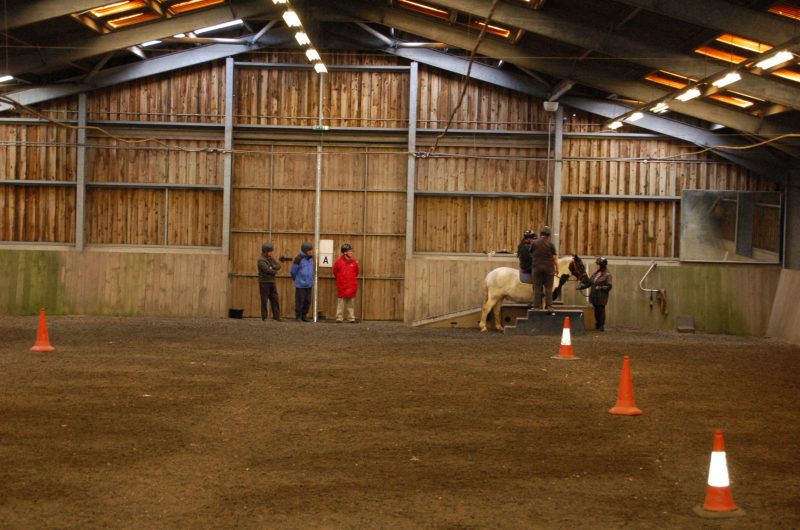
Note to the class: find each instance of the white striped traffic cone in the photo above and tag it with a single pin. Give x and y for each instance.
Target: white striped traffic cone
(565, 350)
(719, 498)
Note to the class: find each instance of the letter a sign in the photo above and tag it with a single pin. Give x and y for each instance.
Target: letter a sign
(325, 253)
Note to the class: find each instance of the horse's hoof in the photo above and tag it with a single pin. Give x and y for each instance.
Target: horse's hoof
(484, 330)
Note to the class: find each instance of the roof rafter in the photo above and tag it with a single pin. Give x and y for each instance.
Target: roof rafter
(48, 58)
(600, 78)
(557, 28)
(24, 13)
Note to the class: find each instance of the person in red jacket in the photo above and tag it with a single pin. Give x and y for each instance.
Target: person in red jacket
(346, 270)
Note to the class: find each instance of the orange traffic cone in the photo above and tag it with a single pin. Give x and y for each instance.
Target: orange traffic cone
(719, 498)
(42, 339)
(625, 406)
(565, 350)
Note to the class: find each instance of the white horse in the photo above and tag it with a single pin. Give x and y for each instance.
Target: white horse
(503, 283)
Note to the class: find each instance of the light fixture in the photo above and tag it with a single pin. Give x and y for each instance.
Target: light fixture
(615, 125)
(727, 80)
(774, 60)
(150, 43)
(219, 26)
(301, 38)
(635, 116)
(6, 78)
(312, 55)
(179, 35)
(661, 107)
(320, 68)
(276, 2)
(689, 94)
(291, 19)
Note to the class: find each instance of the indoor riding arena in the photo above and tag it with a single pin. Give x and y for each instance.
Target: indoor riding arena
(174, 174)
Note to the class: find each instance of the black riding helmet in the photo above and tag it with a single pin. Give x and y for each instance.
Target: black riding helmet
(528, 234)
(306, 247)
(545, 231)
(346, 247)
(603, 262)
(266, 247)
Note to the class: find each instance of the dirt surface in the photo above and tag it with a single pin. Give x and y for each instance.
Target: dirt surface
(201, 423)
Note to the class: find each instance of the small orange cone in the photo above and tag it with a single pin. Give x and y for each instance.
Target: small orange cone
(42, 339)
(719, 498)
(625, 406)
(565, 350)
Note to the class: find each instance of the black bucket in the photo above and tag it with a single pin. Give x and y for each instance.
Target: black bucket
(235, 313)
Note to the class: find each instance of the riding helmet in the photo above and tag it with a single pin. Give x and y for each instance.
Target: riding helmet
(545, 231)
(306, 246)
(528, 234)
(346, 247)
(266, 247)
(603, 262)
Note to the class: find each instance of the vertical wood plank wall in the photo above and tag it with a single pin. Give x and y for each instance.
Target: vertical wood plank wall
(172, 187)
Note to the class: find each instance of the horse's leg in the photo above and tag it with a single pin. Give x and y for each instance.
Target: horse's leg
(498, 323)
(487, 306)
(561, 281)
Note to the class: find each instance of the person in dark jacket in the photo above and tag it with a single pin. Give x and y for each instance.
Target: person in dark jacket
(524, 252)
(267, 267)
(346, 270)
(302, 272)
(598, 295)
(545, 265)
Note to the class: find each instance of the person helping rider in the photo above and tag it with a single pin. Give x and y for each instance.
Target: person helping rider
(524, 256)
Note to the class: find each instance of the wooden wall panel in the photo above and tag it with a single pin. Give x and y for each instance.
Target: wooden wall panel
(366, 99)
(37, 214)
(293, 210)
(386, 213)
(342, 211)
(784, 322)
(37, 152)
(245, 251)
(387, 169)
(382, 256)
(384, 299)
(499, 223)
(276, 97)
(343, 168)
(294, 167)
(193, 94)
(195, 218)
(250, 209)
(102, 282)
(441, 224)
(252, 165)
(125, 216)
(176, 162)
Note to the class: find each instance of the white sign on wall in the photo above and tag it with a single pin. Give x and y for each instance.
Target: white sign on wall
(325, 254)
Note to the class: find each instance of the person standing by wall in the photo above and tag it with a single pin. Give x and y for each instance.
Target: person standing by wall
(267, 267)
(302, 272)
(598, 295)
(346, 270)
(545, 264)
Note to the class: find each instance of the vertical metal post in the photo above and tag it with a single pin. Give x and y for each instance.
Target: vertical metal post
(228, 158)
(317, 202)
(557, 167)
(80, 174)
(166, 216)
(471, 228)
(412, 147)
(672, 239)
(364, 233)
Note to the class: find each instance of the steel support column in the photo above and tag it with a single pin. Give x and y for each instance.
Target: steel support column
(413, 82)
(557, 168)
(228, 158)
(80, 174)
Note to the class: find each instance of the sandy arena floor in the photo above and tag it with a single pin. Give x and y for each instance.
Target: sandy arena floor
(200, 423)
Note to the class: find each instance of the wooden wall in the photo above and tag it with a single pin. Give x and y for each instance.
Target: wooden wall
(735, 299)
(102, 282)
(784, 322)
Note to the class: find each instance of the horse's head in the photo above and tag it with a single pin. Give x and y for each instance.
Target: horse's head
(577, 268)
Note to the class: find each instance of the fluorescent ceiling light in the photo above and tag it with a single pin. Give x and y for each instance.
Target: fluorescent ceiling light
(689, 94)
(291, 19)
(6, 78)
(219, 26)
(312, 55)
(150, 43)
(661, 107)
(774, 60)
(276, 2)
(301, 38)
(179, 35)
(615, 124)
(320, 68)
(727, 80)
(635, 116)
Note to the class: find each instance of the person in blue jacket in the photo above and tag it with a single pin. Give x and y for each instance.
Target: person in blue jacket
(302, 272)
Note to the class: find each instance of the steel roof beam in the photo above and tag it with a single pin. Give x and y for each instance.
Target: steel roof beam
(46, 59)
(600, 78)
(725, 17)
(563, 30)
(29, 12)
